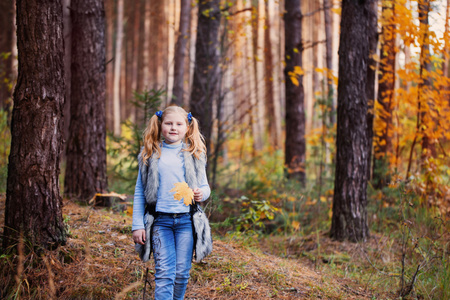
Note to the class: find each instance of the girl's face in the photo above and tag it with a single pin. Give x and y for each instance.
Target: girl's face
(173, 128)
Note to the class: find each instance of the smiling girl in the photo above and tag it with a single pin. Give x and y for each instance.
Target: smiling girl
(174, 151)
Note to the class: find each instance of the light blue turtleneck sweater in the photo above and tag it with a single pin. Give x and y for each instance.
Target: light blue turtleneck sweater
(171, 171)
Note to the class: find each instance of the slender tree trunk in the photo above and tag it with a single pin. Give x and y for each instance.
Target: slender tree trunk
(383, 149)
(424, 88)
(110, 17)
(371, 75)
(117, 64)
(136, 46)
(86, 148)
(181, 51)
(273, 122)
(6, 35)
(259, 68)
(67, 61)
(33, 203)
(328, 17)
(349, 221)
(446, 50)
(206, 66)
(250, 71)
(141, 62)
(295, 146)
(130, 58)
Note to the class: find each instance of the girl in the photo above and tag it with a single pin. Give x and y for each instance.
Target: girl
(161, 224)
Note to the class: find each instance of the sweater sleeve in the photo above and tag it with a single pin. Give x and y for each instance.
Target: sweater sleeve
(204, 186)
(138, 205)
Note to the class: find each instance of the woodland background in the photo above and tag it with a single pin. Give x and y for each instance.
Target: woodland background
(327, 125)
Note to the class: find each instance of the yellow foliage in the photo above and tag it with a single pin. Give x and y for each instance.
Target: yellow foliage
(183, 191)
(294, 80)
(296, 225)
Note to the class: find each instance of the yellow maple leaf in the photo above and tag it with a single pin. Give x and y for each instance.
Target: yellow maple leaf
(183, 191)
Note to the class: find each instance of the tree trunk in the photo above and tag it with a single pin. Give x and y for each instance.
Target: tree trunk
(33, 203)
(386, 86)
(425, 105)
(67, 27)
(446, 50)
(259, 68)
(295, 146)
(206, 66)
(117, 64)
(251, 76)
(273, 124)
(371, 75)
(128, 61)
(180, 52)
(86, 147)
(328, 17)
(6, 35)
(110, 17)
(349, 221)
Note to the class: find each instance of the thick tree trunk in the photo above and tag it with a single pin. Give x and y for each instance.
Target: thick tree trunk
(86, 147)
(386, 85)
(117, 65)
(6, 35)
(295, 146)
(349, 221)
(33, 203)
(206, 66)
(181, 52)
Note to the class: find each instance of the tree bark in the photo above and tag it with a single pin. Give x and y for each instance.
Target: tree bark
(180, 52)
(250, 74)
(110, 17)
(386, 85)
(273, 122)
(67, 27)
(117, 65)
(349, 221)
(327, 5)
(6, 35)
(371, 75)
(446, 52)
(425, 104)
(206, 66)
(86, 147)
(295, 146)
(33, 203)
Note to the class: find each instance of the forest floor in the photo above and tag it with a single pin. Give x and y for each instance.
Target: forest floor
(99, 262)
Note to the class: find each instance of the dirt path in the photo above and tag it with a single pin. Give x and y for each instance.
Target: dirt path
(99, 262)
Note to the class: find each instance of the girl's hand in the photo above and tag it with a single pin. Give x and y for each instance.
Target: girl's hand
(139, 236)
(198, 195)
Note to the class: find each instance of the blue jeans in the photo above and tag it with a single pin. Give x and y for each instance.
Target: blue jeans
(173, 243)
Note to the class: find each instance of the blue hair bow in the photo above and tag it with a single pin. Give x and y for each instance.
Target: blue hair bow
(159, 114)
(189, 117)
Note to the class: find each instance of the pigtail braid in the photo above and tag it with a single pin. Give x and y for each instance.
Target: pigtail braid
(152, 138)
(195, 139)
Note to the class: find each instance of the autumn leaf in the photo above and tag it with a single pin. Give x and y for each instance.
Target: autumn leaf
(295, 225)
(183, 191)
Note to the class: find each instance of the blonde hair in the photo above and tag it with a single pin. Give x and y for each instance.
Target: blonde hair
(152, 135)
